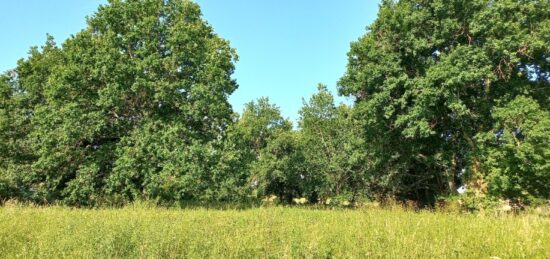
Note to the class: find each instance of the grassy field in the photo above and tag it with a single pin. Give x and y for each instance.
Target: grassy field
(273, 232)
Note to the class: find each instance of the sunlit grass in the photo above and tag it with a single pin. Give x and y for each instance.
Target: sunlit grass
(145, 232)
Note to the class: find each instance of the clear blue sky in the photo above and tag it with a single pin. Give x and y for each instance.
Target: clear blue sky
(285, 47)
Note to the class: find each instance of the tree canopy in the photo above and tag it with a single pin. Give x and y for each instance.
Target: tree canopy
(446, 94)
(430, 77)
(132, 104)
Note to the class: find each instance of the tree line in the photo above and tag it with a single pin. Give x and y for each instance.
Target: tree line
(447, 95)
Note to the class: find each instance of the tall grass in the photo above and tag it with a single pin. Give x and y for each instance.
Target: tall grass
(274, 232)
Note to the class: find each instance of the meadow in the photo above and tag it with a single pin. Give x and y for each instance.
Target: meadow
(266, 232)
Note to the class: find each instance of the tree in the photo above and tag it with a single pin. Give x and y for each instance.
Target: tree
(133, 103)
(6, 148)
(282, 170)
(260, 124)
(426, 77)
(516, 153)
(333, 147)
(22, 90)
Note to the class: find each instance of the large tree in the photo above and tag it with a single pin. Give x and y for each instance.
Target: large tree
(427, 77)
(133, 104)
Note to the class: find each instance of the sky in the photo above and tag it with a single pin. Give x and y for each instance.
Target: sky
(285, 47)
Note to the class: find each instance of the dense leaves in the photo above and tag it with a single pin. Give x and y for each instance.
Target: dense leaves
(426, 78)
(517, 152)
(131, 104)
(447, 94)
(333, 147)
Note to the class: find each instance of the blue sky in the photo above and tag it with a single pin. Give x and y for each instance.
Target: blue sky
(286, 47)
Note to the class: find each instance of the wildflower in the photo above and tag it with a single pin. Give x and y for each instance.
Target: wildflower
(506, 208)
(300, 201)
(270, 199)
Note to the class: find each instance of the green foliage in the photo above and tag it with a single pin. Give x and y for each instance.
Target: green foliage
(14, 147)
(333, 147)
(246, 139)
(258, 124)
(324, 158)
(281, 169)
(134, 106)
(134, 103)
(5, 96)
(516, 152)
(426, 78)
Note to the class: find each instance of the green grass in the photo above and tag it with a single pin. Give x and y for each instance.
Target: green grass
(274, 232)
